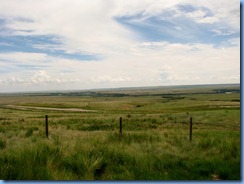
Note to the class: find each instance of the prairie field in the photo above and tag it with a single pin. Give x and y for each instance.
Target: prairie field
(85, 143)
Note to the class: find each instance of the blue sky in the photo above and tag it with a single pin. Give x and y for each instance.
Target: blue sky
(166, 26)
(65, 45)
(47, 44)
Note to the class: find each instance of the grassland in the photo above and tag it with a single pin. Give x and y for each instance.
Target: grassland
(155, 142)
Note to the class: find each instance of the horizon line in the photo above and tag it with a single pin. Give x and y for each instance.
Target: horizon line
(111, 88)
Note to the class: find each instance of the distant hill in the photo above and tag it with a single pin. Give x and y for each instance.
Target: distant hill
(127, 91)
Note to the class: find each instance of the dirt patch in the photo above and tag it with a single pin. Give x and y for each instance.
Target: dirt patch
(47, 108)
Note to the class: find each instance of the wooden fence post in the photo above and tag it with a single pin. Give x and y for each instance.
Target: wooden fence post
(120, 126)
(47, 126)
(190, 128)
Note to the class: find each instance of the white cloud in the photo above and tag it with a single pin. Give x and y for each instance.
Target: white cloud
(222, 32)
(208, 20)
(198, 14)
(23, 57)
(168, 64)
(90, 27)
(40, 76)
(109, 78)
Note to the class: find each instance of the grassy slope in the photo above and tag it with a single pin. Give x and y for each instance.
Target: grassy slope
(155, 143)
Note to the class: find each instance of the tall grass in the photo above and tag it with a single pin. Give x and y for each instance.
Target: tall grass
(139, 156)
(28, 163)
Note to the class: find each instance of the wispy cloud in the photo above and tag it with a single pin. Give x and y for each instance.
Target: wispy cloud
(222, 32)
(183, 23)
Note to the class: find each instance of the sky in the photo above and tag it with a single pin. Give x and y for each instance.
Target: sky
(80, 44)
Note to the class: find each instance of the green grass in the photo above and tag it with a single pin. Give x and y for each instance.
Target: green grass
(2, 144)
(155, 143)
(134, 156)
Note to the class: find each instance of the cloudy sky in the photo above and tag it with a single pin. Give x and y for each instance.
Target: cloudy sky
(81, 44)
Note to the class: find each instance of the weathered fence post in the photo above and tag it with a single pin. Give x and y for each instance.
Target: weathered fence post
(190, 128)
(120, 126)
(47, 126)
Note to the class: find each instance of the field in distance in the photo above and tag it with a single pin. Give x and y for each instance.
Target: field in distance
(84, 142)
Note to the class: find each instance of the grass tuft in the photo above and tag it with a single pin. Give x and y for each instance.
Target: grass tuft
(2, 144)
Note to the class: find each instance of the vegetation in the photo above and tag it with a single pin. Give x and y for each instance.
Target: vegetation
(154, 145)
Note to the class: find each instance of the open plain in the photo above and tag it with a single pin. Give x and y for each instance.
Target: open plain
(85, 143)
